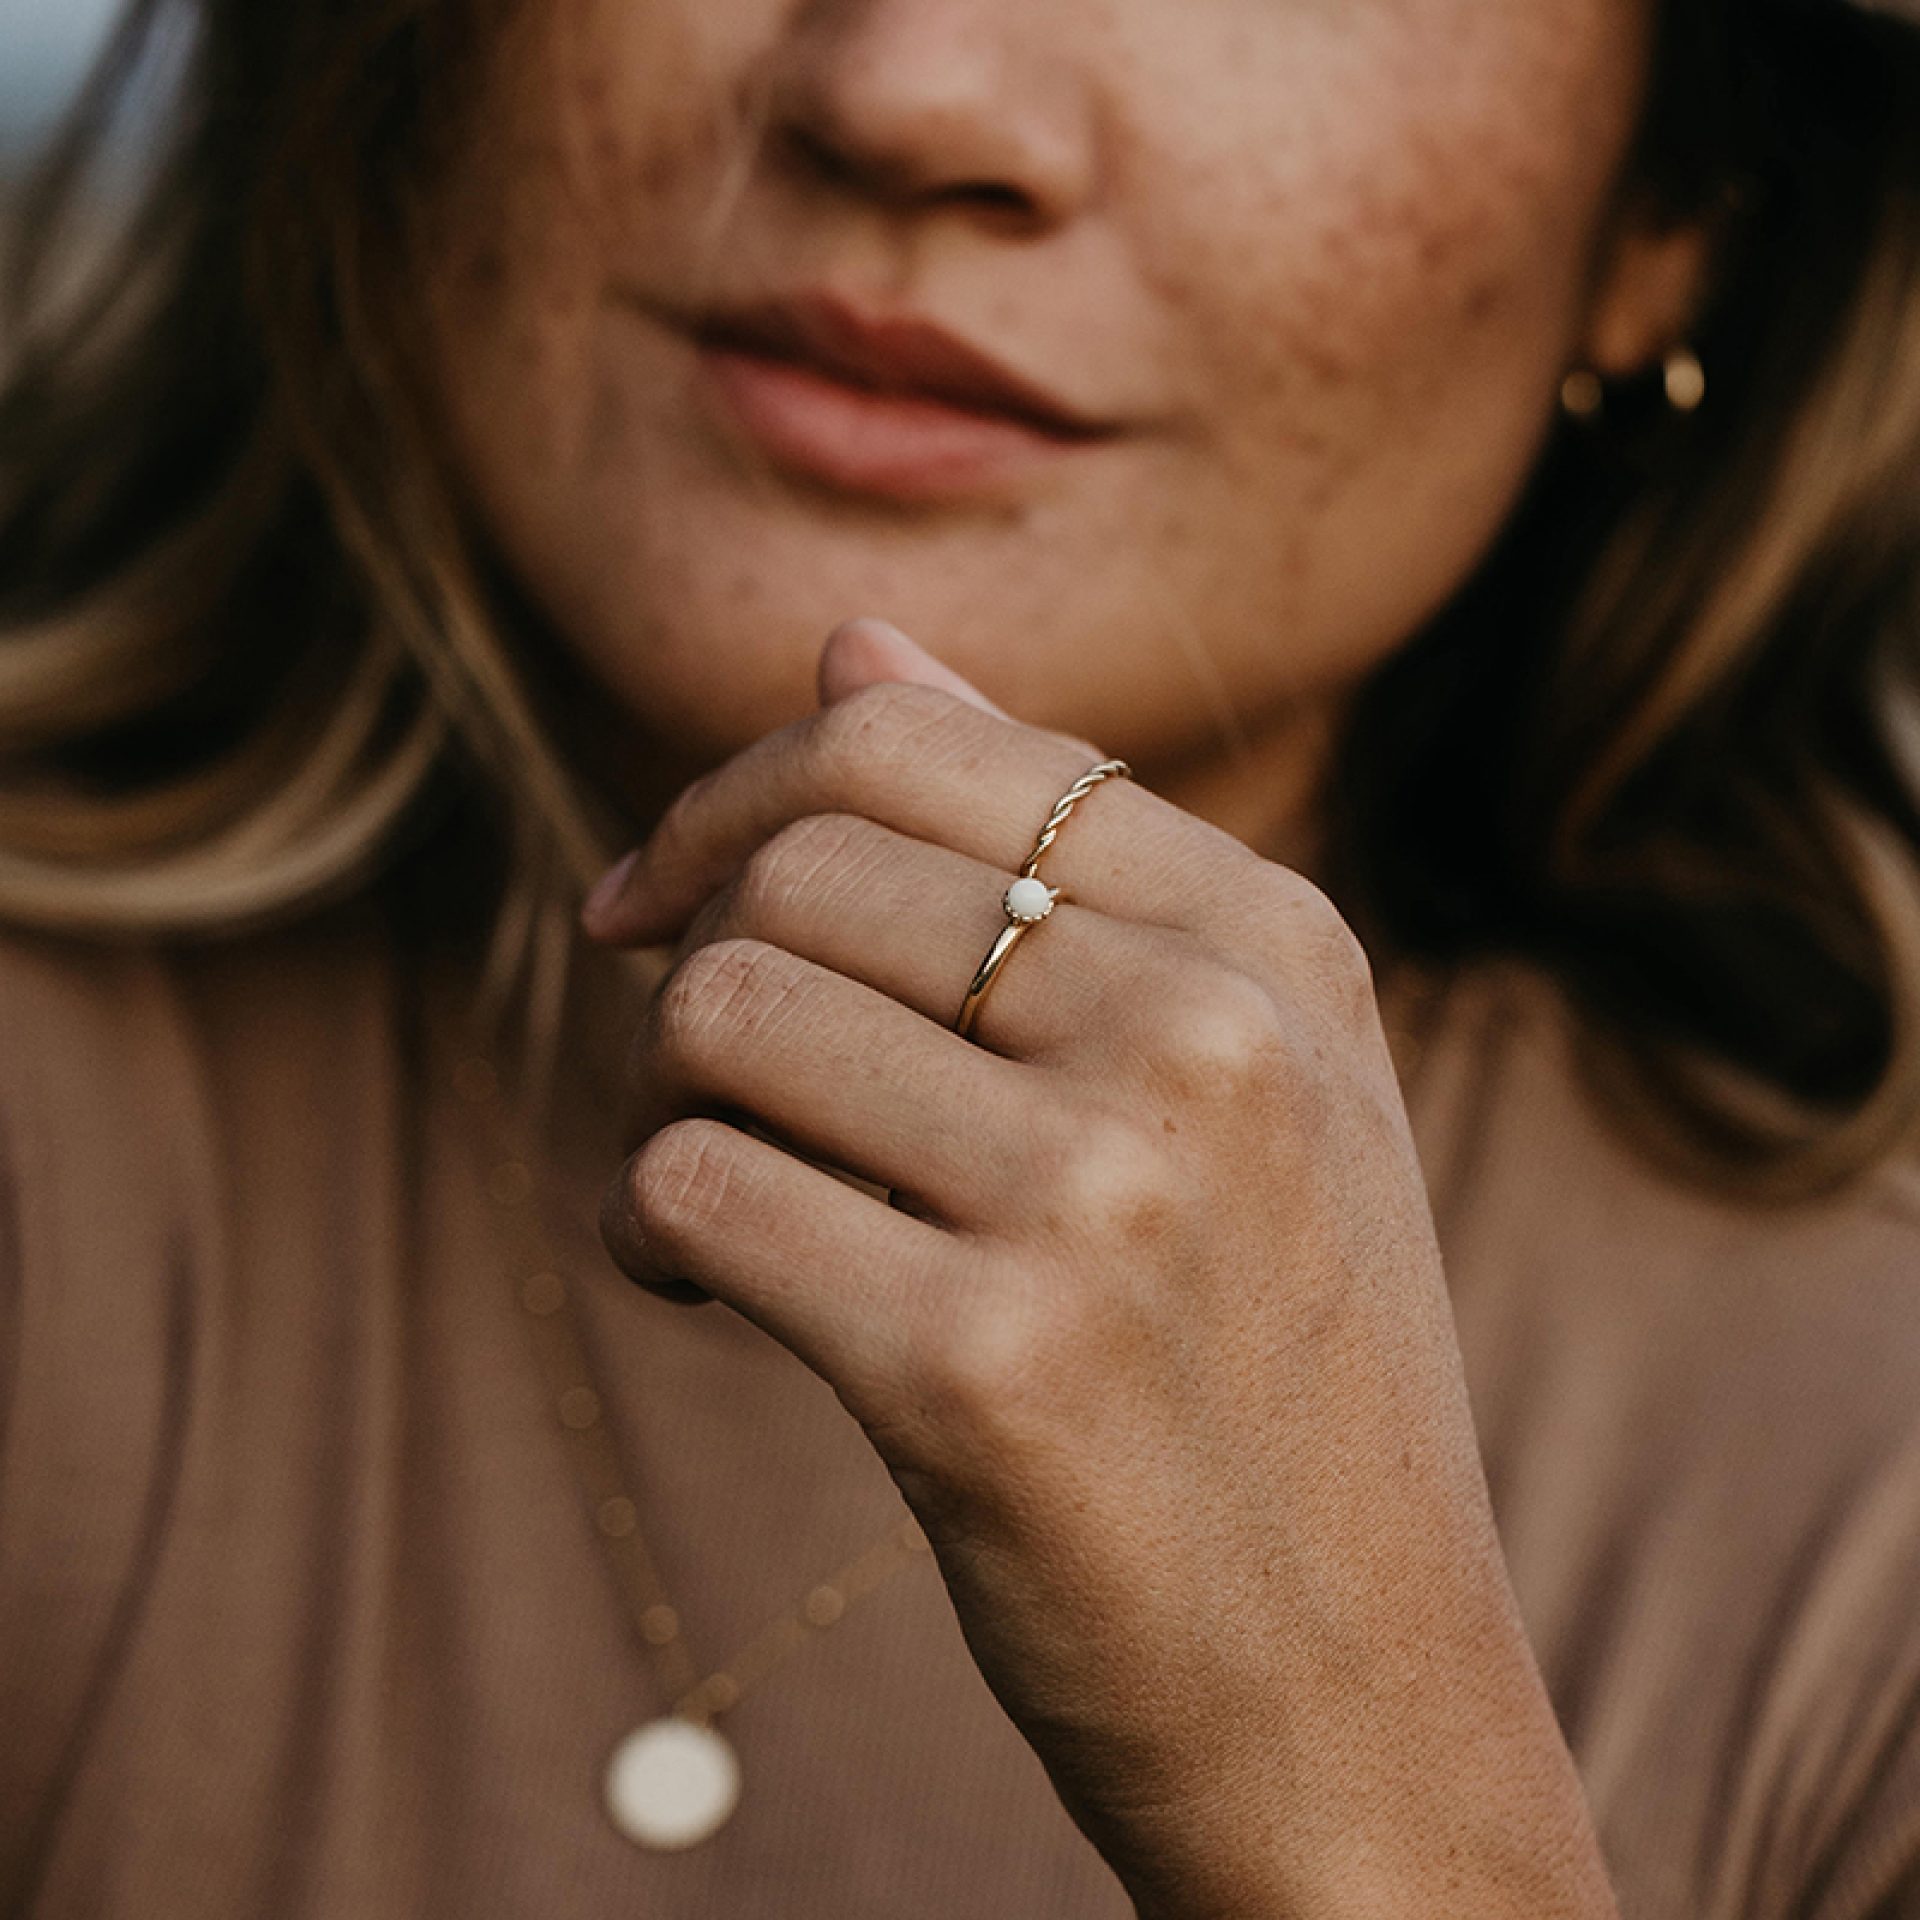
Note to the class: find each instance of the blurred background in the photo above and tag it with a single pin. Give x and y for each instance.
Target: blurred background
(44, 48)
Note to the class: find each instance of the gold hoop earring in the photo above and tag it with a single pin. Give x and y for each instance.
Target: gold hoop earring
(1583, 395)
(1684, 379)
(1683, 383)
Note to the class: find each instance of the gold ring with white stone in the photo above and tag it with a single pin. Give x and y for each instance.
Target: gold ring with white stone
(1029, 899)
(1027, 902)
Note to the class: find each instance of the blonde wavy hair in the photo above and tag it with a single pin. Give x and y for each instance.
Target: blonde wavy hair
(252, 658)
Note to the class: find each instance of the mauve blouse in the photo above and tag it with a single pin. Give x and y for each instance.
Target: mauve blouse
(303, 1611)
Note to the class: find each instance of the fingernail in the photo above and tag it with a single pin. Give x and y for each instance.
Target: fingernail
(606, 890)
(913, 646)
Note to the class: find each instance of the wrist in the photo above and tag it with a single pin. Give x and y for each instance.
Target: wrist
(1448, 1792)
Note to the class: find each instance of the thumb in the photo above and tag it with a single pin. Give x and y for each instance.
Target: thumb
(859, 652)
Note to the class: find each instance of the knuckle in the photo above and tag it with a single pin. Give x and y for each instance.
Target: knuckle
(1345, 960)
(883, 725)
(1214, 1028)
(867, 718)
(994, 1362)
(680, 1180)
(1021, 1369)
(1108, 1180)
(718, 990)
(1335, 952)
(785, 870)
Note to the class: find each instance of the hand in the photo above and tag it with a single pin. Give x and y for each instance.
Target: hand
(1161, 1355)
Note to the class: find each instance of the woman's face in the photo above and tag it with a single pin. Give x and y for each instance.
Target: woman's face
(1303, 275)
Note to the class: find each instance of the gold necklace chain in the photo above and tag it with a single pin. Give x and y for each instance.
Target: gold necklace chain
(675, 1780)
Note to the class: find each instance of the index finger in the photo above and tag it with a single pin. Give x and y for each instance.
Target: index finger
(926, 763)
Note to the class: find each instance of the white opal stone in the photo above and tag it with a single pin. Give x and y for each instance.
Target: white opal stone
(1029, 899)
(671, 1783)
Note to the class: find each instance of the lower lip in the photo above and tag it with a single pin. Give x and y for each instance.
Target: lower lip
(892, 445)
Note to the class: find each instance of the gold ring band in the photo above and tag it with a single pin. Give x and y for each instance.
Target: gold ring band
(1003, 945)
(1028, 900)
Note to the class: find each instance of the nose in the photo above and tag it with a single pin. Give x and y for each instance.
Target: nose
(970, 104)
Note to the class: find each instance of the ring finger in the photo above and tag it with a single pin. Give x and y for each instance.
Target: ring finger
(914, 921)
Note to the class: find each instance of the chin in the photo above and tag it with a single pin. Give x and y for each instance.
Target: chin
(717, 640)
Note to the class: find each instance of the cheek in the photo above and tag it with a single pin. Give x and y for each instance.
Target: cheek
(509, 282)
(648, 97)
(1398, 210)
(598, 116)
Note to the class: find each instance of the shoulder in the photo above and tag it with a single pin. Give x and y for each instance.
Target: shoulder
(1701, 1426)
(143, 1091)
(1775, 1345)
(98, 1090)
(146, 1090)
(129, 1042)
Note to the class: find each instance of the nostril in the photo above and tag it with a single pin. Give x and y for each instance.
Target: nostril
(899, 180)
(821, 157)
(991, 195)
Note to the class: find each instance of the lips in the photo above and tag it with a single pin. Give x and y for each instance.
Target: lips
(884, 404)
(901, 355)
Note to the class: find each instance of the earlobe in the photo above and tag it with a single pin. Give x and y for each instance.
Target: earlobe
(1648, 299)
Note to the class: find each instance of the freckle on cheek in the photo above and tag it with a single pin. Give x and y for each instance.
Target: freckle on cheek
(1481, 303)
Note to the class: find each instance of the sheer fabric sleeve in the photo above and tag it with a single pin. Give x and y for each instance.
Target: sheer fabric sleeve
(1862, 1726)
(95, 1262)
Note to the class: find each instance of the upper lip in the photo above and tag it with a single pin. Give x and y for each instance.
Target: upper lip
(889, 353)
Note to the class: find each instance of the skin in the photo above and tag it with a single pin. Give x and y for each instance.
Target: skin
(1327, 265)
(1158, 1346)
